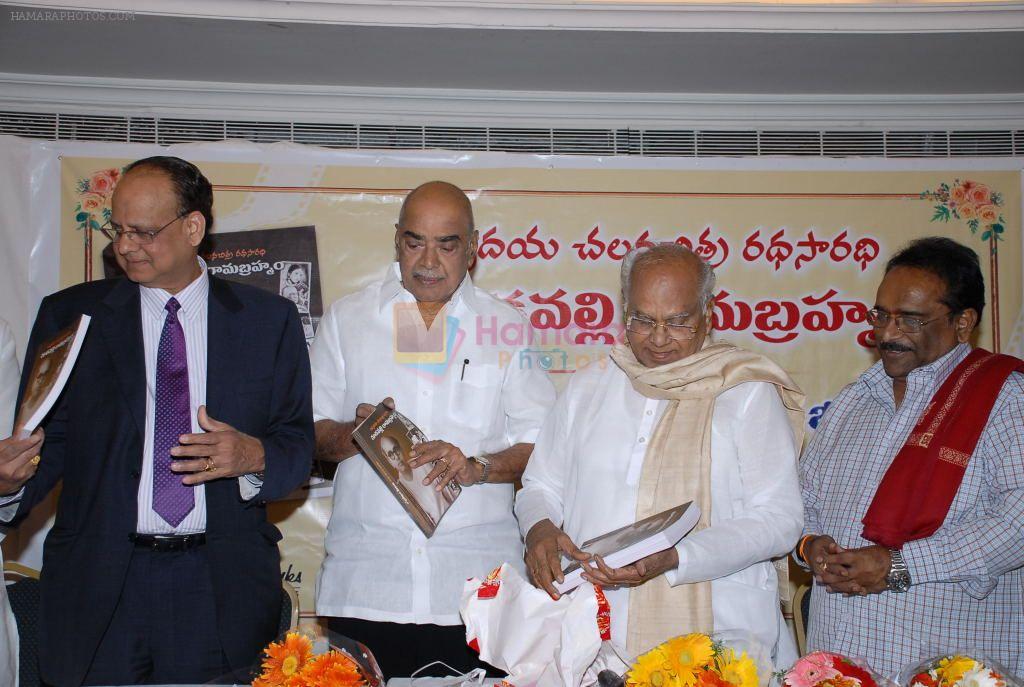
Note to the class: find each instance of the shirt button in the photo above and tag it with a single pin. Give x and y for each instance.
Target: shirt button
(649, 412)
(642, 439)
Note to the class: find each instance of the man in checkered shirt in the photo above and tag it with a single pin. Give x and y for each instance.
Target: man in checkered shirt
(962, 585)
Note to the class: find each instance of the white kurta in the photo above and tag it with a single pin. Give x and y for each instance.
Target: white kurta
(481, 395)
(585, 472)
(8, 399)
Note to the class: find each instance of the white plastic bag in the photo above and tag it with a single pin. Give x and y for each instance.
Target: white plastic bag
(538, 641)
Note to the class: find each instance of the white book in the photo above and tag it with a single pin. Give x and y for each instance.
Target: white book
(51, 370)
(631, 543)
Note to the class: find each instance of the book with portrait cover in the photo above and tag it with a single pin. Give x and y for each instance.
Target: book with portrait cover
(51, 370)
(629, 544)
(387, 437)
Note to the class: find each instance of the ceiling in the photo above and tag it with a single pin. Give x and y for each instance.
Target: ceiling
(197, 49)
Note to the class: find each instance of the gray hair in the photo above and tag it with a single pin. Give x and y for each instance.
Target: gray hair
(662, 252)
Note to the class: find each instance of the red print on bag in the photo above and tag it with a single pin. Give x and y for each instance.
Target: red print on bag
(604, 615)
(489, 587)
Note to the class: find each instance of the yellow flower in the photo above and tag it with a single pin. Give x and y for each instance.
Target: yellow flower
(952, 668)
(687, 655)
(651, 670)
(741, 671)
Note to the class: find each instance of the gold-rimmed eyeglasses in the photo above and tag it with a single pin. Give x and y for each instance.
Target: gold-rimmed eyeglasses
(115, 233)
(675, 327)
(908, 324)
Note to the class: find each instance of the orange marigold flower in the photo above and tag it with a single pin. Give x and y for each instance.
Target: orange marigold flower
(333, 669)
(284, 660)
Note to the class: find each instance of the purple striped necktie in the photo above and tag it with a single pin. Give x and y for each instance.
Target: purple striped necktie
(172, 500)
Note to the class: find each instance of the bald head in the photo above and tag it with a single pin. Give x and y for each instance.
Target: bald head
(435, 241)
(427, 197)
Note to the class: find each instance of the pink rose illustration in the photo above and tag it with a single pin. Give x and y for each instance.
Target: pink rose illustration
(91, 202)
(958, 194)
(980, 195)
(988, 214)
(967, 211)
(103, 182)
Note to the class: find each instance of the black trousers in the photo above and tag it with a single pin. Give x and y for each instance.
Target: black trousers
(164, 629)
(402, 649)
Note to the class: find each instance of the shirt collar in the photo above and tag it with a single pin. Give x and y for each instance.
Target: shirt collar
(392, 288)
(930, 375)
(190, 298)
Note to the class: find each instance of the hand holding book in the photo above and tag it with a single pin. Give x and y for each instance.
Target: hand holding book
(545, 545)
(450, 463)
(19, 460)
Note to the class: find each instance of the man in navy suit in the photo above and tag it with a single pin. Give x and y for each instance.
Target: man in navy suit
(189, 408)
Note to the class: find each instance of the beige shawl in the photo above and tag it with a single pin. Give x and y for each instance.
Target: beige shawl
(677, 467)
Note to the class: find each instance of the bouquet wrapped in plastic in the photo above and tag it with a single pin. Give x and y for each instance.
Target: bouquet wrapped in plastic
(962, 669)
(301, 659)
(721, 659)
(827, 669)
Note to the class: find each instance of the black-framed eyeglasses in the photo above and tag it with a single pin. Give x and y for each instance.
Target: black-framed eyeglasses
(140, 236)
(675, 327)
(908, 324)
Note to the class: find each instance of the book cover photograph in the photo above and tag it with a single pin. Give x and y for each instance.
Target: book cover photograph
(629, 544)
(51, 370)
(386, 438)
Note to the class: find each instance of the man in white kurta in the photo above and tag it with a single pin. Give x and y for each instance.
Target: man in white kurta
(382, 580)
(584, 477)
(15, 449)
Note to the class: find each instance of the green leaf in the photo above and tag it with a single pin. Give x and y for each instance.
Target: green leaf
(93, 224)
(998, 228)
(941, 214)
(81, 216)
(973, 224)
(986, 235)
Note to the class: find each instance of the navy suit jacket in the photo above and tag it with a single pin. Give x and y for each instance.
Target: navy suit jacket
(258, 381)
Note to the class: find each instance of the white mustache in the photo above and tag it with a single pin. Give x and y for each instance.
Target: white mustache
(426, 274)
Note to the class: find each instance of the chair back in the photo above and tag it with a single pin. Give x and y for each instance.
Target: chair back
(23, 594)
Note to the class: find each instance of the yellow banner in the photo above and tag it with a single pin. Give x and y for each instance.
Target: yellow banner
(798, 254)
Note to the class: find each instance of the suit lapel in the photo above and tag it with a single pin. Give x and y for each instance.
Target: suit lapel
(122, 334)
(223, 347)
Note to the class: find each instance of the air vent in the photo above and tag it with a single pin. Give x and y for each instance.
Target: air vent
(646, 142)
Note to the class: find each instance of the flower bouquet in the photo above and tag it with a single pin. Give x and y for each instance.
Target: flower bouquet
(826, 669)
(957, 670)
(698, 660)
(301, 660)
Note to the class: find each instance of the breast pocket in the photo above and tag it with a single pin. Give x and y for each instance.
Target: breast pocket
(476, 395)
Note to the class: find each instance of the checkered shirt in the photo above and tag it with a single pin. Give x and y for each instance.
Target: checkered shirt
(967, 578)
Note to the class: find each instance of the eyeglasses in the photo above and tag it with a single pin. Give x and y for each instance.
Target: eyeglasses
(140, 236)
(675, 327)
(908, 324)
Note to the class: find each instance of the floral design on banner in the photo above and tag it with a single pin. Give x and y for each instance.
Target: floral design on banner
(971, 202)
(693, 660)
(93, 209)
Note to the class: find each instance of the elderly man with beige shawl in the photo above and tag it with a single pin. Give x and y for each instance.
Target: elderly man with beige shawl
(673, 418)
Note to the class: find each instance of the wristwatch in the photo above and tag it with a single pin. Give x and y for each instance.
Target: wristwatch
(485, 463)
(898, 578)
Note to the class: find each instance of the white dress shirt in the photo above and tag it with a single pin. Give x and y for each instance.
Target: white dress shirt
(584, 476)
(378, 565)
(8, 398)
(194, 300)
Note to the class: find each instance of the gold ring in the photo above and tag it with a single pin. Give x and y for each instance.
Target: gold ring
(209, 465)
(35, 459)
